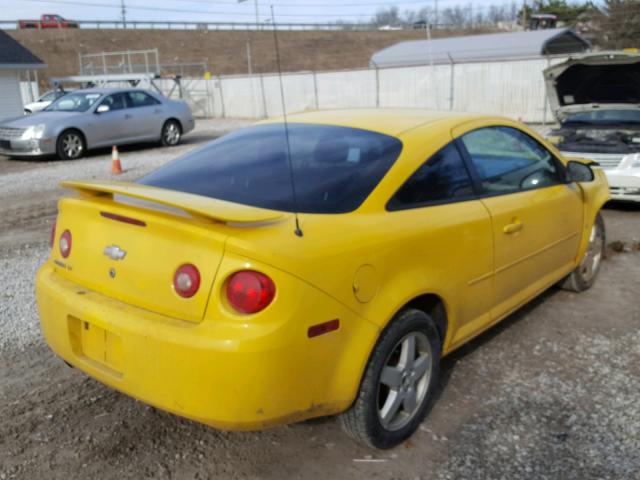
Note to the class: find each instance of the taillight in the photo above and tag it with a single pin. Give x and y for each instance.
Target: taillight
(53, 234)
(249, 291)
(65, 243)
(186, 280)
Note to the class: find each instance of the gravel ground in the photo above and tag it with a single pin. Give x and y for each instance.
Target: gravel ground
(552, 392)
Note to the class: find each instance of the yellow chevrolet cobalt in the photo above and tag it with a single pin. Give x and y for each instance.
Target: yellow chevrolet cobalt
(316, 267)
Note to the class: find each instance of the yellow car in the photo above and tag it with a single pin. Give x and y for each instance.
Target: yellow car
(315, 267)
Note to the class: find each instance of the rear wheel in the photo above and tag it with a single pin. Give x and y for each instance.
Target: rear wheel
(171, 133)
(71, 145)
(583, 277)
(399, 382)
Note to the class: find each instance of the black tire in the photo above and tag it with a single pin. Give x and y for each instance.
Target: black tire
(363, 421)
(584, 275)
(71, 145)
(171, 133)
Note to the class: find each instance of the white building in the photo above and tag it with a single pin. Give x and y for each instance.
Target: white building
(14, 60)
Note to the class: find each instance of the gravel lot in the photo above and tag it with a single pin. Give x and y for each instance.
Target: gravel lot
(553, 392)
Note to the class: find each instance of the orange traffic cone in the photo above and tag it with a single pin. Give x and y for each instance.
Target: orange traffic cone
(116, 168)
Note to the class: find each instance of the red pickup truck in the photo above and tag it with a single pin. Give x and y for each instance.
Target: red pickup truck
(48, 21)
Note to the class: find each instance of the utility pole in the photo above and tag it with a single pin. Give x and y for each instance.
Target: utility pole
(524, 14)
(123, 13)
(436, 15)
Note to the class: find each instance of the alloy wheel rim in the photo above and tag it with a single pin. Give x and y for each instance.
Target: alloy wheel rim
(404, 381)
(172, 134)
(72, 145)
(593, 255)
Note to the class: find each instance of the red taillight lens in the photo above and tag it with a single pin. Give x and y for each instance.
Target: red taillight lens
(186, 280)
(53, 234)
(65, 243)
(249, 291)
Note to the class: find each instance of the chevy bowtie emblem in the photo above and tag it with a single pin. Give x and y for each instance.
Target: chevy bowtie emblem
(114, 252)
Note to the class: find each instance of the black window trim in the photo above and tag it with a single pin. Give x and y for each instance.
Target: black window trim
(475, 178)
(392, 206)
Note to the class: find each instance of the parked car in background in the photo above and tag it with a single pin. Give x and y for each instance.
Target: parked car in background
(97, 117)
(319, 267)
(596, 100)
(48, 20)
(44, 101)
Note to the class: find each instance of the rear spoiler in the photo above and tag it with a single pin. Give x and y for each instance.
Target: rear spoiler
(195, 205)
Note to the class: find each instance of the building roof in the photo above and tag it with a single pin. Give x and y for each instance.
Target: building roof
(474, 48)
(15, 56)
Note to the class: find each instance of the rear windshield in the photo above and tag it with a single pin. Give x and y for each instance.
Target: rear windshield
(334, 168)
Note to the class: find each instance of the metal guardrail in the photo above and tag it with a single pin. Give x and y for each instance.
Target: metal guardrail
(179, 25)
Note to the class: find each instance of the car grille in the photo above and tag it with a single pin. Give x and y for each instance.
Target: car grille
(606, 160)
(8, 133)
(620, 191)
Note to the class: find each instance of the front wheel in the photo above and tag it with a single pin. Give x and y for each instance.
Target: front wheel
(171, 133)
(71, 145)
(399, 382)
(583, 277)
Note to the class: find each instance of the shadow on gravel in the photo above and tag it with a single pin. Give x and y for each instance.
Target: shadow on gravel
(622, 206)
(449, 362)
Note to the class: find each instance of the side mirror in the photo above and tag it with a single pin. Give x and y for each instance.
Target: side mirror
(102, 109)
(579, 172)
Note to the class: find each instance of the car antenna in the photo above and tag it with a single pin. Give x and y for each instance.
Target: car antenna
(297, 231)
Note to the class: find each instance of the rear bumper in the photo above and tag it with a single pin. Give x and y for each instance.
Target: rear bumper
(197, 370)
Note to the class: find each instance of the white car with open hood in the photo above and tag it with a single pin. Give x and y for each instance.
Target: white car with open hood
(596, 99)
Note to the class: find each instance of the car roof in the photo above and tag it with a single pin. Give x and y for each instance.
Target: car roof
(389, 121)
(107, 90)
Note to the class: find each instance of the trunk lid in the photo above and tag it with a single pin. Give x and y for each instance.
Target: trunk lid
(594, 81)
(128, 240)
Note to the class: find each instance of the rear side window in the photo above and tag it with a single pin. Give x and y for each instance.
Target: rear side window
(334, 168)
(507, 160)
(141, 99)
(442, 178)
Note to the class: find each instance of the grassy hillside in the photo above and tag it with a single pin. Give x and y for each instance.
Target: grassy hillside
(225, 51)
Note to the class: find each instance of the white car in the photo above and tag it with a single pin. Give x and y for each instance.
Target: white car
(44, 101)
(596, 99)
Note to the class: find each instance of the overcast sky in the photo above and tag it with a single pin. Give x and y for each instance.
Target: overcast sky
(221, 10)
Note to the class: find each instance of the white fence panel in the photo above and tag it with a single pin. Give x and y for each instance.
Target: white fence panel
(298, 93)
(242, 97)
(514, 89)
(510, 88)
(29, 91)
(416, 87)
(349, 89)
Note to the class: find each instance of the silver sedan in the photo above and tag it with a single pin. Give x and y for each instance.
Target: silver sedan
(97, 117)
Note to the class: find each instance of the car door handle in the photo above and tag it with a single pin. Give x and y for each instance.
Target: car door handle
(127, 115)
(513, 227)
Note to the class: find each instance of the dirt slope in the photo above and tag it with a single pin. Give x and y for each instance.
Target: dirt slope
(225, 51)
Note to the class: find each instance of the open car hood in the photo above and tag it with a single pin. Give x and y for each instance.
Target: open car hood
(593, 81)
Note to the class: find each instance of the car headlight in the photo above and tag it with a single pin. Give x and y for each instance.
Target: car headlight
(630, 161)
(34, 132)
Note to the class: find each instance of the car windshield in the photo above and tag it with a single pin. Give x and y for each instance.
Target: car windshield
(334, 168)
(605, 117)
(74, 102)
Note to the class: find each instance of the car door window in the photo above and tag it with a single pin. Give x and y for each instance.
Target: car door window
(141, 99)
(508, 160)
(442, 178)
(117, 101)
